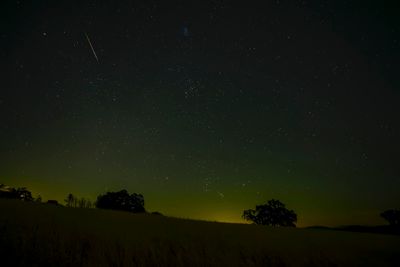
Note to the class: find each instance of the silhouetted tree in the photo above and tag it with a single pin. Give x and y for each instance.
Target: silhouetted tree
(70, 200)
(392, 216)
(75, 202)
(82, 203)
(121, 201)
(23, 194)
(89, 204)
(39, 199)
(20, 193)
(273, 213)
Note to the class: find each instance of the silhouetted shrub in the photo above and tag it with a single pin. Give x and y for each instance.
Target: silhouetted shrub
(392, 216)
(272, 213)
(39, 199)
(121, 200)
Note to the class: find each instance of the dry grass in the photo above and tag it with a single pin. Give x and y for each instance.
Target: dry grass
(34, 234)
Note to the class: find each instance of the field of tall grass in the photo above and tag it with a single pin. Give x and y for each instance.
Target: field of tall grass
(33, 234)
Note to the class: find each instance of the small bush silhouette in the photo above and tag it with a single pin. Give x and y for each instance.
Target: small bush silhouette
(121, 200)
(392, 217)
(272, 213)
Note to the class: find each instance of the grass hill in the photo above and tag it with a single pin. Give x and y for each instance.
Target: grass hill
(379, 229)
(33, 234)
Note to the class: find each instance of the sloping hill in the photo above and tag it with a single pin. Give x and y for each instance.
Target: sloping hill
(34, 234)
(379, 229)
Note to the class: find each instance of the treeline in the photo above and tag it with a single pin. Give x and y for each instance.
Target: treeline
(20, 193)
(273, 213)
(120, 200)
(75, 202)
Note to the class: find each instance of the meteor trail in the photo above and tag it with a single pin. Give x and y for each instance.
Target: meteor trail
(91, 46)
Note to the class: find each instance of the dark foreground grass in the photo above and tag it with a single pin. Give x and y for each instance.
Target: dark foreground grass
(34, 234)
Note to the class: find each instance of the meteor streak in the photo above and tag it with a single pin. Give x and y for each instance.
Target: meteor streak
(91, 46)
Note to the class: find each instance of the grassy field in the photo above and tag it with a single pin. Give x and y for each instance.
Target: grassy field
(34, 234)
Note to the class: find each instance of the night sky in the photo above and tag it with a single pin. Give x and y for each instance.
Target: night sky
(205, 108)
